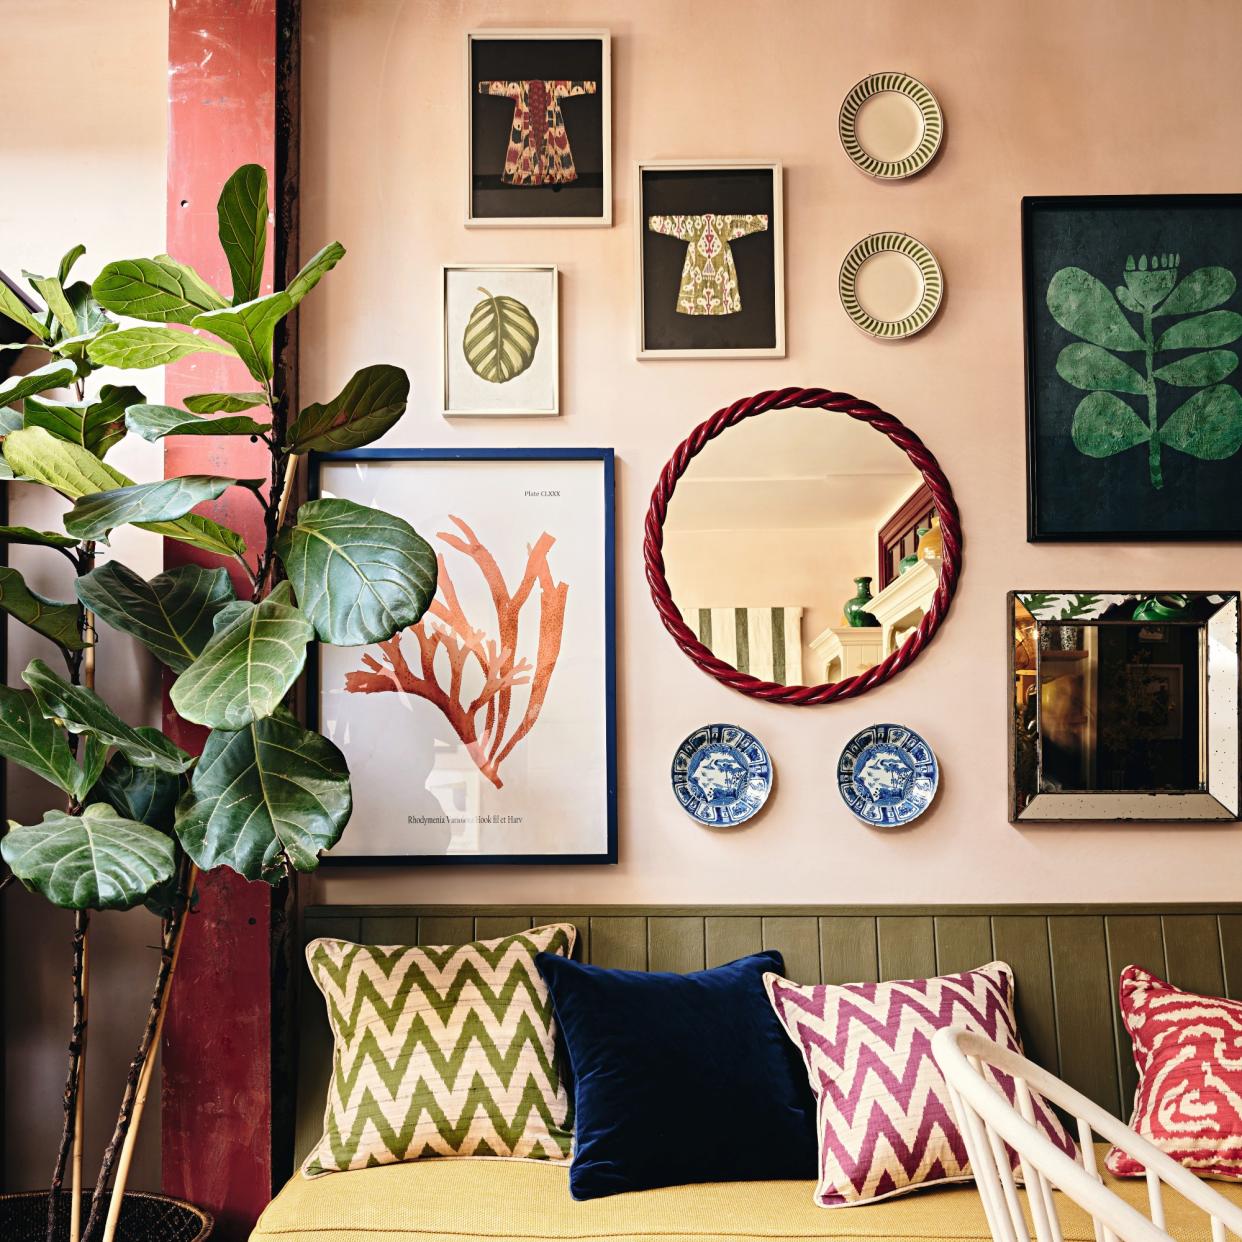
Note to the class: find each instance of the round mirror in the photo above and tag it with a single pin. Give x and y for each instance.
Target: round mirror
(805, 555)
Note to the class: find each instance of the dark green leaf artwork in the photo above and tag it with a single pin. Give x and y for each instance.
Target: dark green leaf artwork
(500, 339)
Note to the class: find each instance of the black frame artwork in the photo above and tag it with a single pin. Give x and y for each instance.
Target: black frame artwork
(1133, 320)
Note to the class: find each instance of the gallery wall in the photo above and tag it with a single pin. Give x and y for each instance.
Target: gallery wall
(1061, 97)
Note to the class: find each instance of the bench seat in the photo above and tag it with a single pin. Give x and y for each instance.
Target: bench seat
(528, 1201)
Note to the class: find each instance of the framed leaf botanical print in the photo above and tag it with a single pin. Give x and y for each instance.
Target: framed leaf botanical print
(1133, 324)
(501, 340)
(486, 732)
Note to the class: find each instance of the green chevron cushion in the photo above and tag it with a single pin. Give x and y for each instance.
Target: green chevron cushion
(440, 1051)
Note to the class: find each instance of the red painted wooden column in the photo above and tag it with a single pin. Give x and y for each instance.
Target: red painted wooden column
(217, 1146)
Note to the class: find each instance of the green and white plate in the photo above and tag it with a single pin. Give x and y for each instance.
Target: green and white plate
(891, 125)
(891, 285)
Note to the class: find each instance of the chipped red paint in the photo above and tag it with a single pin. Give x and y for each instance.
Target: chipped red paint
(217, 1149)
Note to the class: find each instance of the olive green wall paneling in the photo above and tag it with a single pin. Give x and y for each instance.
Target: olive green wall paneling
(1231, 952)
(797, 938)
(444, 929)
(497, 926)
(1080, 976)
(1136, 939)
(388, 929)
(963, 941)
(1192, 952)
(675, 943)
(1022, 941)
(907, 946)
(580, 919)
(619, 942)
(729, 937)
(848, 949)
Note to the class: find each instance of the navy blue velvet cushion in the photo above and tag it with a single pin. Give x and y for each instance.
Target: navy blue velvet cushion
(680, 1078)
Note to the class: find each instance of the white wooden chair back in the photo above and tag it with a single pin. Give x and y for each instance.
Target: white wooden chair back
(989, 1122)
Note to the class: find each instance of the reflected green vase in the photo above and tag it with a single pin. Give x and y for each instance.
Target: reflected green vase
(855, 609)
(1162, 607)
(909, 562)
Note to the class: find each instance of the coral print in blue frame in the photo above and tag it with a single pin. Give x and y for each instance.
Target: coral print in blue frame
(887, 775)
(486, 732)
(721, 775)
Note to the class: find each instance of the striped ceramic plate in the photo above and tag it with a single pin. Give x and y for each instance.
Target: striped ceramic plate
(923, 100)
(929, 271)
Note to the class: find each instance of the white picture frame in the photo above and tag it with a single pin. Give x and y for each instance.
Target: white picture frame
(536, 391)
(644, 350)
(601, 219)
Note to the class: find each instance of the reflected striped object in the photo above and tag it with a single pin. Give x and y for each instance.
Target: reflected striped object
(764, 642)
(500, 338)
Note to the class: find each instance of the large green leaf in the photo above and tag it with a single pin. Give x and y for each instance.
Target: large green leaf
(95, 425)
(55, 374)
(252, 661)
(1203, 331)
(242, 211)
(53, 293)
(1084, 306)
(1208, 425)
(48, 617)
(28, 737)
(250, 329)
(223, 402)
(171, 615)
(265, 798)
(98, 860)
(36, 538)
(1090, 367)
(68, 259)
(1105, 424)
(89, 314)
(366, 407)
(154, 422)
(314, 270)
(1200, 291)
(12, 306)
(1199, 370)
(83, 711)
(137, 348)
(158, 290)
(145, 794)
(500, 339)
(141, 504)
(35, 454)
(360, 574)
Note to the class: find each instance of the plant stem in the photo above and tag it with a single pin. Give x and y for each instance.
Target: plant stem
(79, 1120)
(74, 1078)
(1153, 426)
(120, 1148)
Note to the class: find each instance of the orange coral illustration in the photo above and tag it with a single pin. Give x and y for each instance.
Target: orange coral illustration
(482, 721)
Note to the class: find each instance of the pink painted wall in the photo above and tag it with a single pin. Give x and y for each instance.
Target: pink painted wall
(1058, 97)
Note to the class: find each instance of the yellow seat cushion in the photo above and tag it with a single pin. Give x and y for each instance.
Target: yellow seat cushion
(528, 1201)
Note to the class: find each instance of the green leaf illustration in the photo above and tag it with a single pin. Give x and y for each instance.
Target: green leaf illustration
(1199, 370)
(48, 617)
(1079, 605)
(1208, 425)
(1201, 290)
(172, 615)
(360, 574)
(366, 407)
(500, 338)
(1083, 305)
(265, 796)
(1092, 368)
(1105, 424)
(98, 860)
(1203, 332)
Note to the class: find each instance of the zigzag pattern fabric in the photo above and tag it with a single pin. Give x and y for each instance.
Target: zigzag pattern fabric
(1188, 1049)
(441, 1051)
(886, 1123)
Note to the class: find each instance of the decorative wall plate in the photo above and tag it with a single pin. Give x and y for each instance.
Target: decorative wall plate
(891, 285)
(887, 775)
(721, 775)
(891, 125)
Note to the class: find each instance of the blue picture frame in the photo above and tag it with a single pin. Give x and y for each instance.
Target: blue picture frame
(607, 854)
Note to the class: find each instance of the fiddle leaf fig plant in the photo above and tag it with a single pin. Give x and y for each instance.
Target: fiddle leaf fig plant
(1207, 425)
(142, 817)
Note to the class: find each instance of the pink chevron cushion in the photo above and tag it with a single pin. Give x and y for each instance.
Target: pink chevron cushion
(1188, 1049)
(886, 1124)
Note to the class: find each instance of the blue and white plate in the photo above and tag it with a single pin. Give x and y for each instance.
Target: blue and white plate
(887, 775)
(721, 775)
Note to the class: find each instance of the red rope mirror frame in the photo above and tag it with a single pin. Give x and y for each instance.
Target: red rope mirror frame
(837, 403)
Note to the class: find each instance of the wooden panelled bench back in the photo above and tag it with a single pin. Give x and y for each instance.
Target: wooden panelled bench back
(1066, 960)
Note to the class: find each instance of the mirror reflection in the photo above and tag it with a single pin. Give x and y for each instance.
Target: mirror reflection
(802, 547)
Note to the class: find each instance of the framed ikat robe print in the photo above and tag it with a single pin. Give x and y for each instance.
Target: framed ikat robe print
(540, 142)
(710, 258)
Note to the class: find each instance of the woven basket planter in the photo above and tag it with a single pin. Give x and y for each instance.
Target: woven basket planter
(144, 1218)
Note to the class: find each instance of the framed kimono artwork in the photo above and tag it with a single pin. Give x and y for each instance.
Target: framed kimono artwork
(539, 148)
(486, 732)
(1133, 324)
(710, 260)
